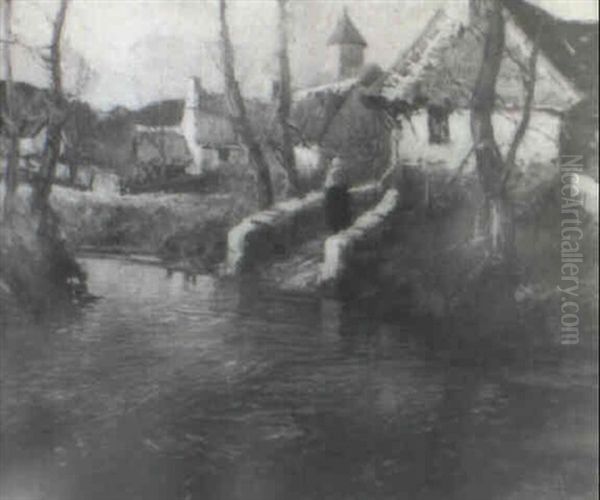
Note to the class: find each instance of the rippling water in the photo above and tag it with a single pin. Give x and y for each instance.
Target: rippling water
(167, 388)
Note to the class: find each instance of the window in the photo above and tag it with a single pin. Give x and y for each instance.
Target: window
(437, 122)
(223, 154)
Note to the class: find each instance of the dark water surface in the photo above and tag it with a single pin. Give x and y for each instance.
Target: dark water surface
(170, 389)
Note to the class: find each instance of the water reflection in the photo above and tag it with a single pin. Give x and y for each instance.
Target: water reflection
(173, 388)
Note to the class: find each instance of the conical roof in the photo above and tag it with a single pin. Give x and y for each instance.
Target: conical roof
(346, 33)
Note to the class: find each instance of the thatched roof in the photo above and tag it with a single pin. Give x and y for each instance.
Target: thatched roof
(340, 87)
(346, 33)
(312, 114)
(335, 118)
(405, 79)
(213, 126)
(316, 109)
(570, 45)
(167, 113)
(150, 141)
(443, 64)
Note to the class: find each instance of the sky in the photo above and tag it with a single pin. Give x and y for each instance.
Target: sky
(143, 50)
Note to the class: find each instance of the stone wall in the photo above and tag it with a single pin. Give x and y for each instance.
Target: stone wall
(366, 232)
(276, 232)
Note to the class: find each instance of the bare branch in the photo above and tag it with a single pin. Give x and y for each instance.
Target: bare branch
(55, 47)
(530, 84)
(459, 170)
(515, 58)
(299, 133)
(530, 127)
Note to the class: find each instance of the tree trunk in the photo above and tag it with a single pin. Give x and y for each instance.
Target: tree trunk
(285, 102)
(239, 116)
(72, 172)
(43, 183)
(56, 119)
(10, 119)
(489, 162)
(499, 227)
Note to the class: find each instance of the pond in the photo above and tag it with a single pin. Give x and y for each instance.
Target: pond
(171, 388)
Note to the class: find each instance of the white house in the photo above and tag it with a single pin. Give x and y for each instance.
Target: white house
(207, 129)
(430, 87)
(195, 132)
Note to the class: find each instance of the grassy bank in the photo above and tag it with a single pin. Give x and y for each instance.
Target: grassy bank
(189, 227)
(37, 266)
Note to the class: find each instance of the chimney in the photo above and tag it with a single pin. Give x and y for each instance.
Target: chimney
(193, 93)
(275, 89)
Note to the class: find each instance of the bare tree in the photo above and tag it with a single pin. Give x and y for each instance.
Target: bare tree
(285, 101)
(78, 136)
(57, 114)
(43, 269)
(489, 161)
(239, 115)
(494, 170)
(78, 128)
(9, 117)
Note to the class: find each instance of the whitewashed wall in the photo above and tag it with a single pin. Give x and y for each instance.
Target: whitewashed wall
(287, 224)
(188, 127)
(308, 160)
(539, 146)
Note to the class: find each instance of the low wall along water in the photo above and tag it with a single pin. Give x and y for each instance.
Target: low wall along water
(367, 231)
(276, 232)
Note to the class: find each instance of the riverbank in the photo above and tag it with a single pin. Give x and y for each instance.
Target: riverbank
(183, 231)
(438, 260)
(37, 267)
(152, 223)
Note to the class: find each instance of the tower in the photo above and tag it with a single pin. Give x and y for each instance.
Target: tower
(350, 46)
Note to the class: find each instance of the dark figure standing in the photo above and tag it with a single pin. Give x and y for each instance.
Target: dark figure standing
(337, 197)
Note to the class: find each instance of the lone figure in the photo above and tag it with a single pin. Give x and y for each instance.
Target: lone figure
(337, 197)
